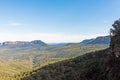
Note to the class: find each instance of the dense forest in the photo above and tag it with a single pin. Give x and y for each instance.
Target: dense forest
(86, 67)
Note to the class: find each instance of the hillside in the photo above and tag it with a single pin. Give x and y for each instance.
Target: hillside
(93, 66)
(8, 69)
(86, 67)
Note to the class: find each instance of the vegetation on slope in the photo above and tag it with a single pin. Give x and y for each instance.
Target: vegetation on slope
(85, 67)
(9, 68)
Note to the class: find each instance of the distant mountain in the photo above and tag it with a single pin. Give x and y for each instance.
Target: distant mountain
(97, 40)
(39, 42)
(87, 41)
(101, 40)
(23, 43)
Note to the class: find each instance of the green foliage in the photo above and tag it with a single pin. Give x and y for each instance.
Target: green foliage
(85, 67)
(9, 68)
(116, 28)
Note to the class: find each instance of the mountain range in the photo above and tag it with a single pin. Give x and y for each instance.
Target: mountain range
(23, 43)
(97, 40)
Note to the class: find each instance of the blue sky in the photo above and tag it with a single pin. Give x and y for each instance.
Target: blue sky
(56, 20)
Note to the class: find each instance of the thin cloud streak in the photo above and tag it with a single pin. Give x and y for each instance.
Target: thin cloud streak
(16, 24)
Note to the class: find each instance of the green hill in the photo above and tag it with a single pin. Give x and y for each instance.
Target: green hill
(85, 67)
(99, 65)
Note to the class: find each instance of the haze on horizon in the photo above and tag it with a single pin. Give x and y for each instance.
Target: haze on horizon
(54, 21)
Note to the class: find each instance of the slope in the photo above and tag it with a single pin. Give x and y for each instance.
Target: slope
(10, 68)
(85, 67)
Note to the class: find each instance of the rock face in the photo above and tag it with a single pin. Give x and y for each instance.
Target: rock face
(23, 43)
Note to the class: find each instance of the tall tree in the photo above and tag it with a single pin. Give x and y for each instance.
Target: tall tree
(115, 38)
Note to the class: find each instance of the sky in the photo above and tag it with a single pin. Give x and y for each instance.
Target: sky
(56, 21)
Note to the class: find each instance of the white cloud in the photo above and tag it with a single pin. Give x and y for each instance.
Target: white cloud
(15, 24)
(46, 37)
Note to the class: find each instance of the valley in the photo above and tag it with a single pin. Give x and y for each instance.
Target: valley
(59, 40)
(18, 58)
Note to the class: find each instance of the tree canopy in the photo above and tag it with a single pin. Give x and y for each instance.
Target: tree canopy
(116, 28)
